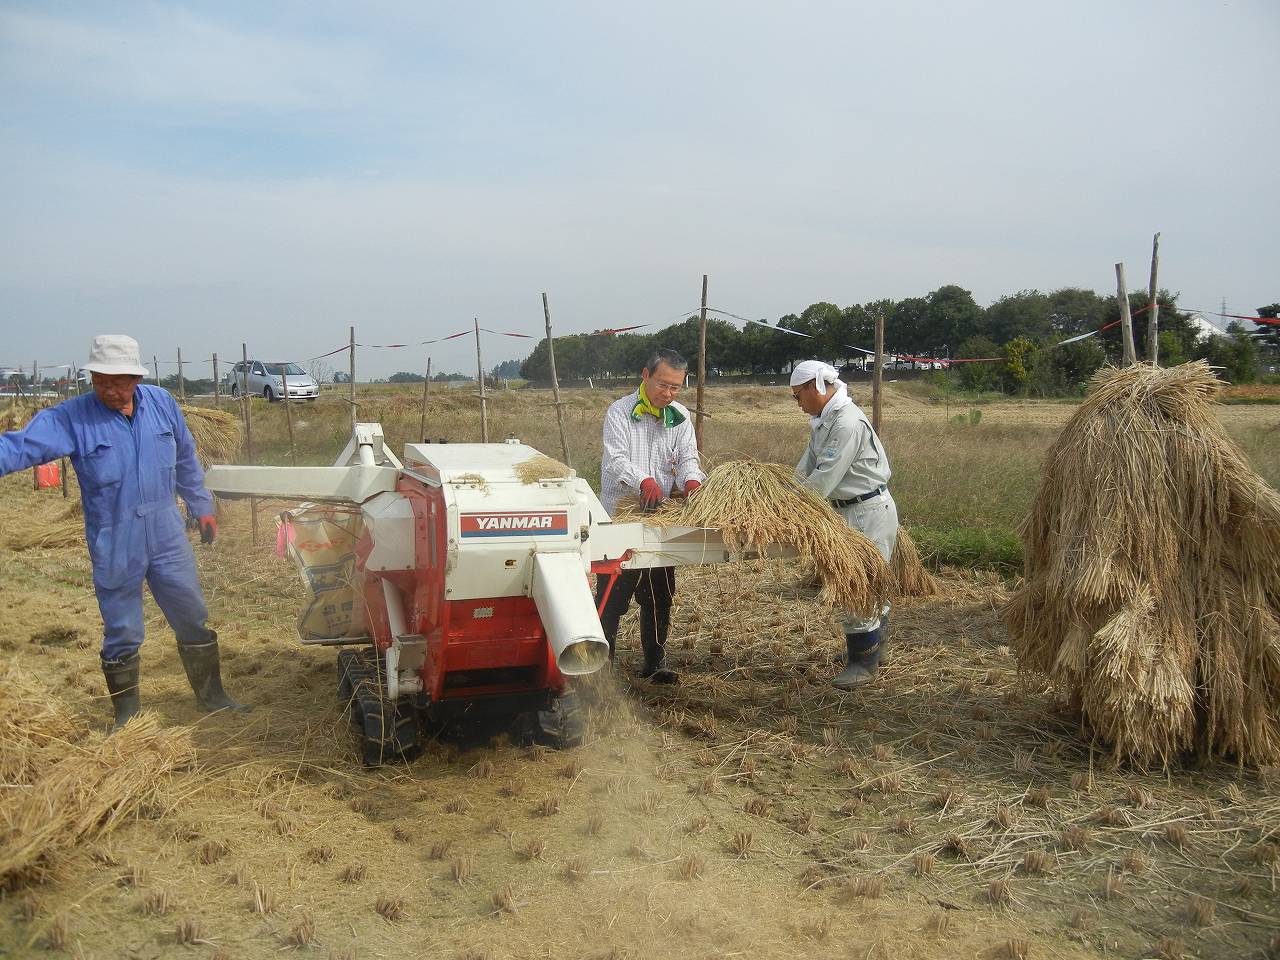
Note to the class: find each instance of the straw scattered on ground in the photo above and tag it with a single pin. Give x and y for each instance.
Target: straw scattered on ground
(757, 506)
(35, 727)
(1152, 598)
(86, 793)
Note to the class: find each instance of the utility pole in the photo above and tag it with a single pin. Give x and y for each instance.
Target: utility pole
(351, 358)
(426, 392)
(155, 365)
(217, 395)
(248, 440)
(182, 384)
(484, 399)
(1129, 354)
(702, 362)
(555, 382)
(1153, 305)
(877, 374)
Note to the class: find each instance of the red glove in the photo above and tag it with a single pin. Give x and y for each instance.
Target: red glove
(691, 487)
(208, 528)
(650, 492)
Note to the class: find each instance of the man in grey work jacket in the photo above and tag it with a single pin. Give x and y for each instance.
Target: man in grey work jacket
(132, 453)
(650, 453)
(845, 462)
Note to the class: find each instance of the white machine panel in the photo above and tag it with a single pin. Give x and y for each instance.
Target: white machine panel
(389, 519)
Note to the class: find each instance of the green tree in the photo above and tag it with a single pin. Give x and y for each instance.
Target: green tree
(978, 376)
(1065, 370)
(1236, 352)
(951, 318)
(1019, 358)
(1267, 336)
(404, 376)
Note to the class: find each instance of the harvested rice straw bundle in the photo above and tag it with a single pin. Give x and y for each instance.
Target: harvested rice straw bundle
(35, 727)
(910, 578)
(541, 467)
(66, 530)
(85, 794)
(216, 433)
(758, 505)
(1152, 594)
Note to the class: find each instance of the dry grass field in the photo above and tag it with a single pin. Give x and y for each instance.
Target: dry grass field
(753, 810)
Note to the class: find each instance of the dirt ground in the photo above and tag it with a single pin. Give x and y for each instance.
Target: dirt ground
(753, 810)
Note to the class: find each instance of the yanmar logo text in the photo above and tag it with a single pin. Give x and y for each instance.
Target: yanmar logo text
(517, 523)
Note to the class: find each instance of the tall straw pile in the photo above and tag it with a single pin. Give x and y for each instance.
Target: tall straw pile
(216, 433)
(759, 505)
(76, 790)
(1152, 595)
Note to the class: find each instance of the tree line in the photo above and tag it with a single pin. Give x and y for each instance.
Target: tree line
(1022, 331)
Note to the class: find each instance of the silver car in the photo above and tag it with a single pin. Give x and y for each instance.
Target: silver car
(267, 379)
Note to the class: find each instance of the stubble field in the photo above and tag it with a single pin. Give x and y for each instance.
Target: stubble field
(947, 811)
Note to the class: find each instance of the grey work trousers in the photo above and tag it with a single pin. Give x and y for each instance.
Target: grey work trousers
(878, 519)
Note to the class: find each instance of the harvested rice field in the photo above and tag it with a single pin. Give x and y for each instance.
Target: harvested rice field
(945, 811)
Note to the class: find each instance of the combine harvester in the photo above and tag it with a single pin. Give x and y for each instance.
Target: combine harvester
(473, 572)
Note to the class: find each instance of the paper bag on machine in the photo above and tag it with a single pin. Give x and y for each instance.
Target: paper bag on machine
(321, 541)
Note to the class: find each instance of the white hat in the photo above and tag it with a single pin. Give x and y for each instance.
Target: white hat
(816, 370)
(115, 353)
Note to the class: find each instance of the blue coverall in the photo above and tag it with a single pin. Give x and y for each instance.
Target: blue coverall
(129, 469)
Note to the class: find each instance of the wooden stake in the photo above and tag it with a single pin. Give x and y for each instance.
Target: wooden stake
(1126, 319)
(247, 408)
(351, 357)
(426, 392)
(217, 393)
(62, 469)
(555, 382)
(877, 375)
(182, 383)
(702, 362)
(288, 412)
(1153, 306)
(484, 399)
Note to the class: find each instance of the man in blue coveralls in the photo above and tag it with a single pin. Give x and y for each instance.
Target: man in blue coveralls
(132, 452)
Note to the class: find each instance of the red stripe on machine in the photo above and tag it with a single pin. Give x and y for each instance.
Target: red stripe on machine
(515, 523)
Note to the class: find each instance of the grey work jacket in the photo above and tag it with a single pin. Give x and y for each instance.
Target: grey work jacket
(845, 458)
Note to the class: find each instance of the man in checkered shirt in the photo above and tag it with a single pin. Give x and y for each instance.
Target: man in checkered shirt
(650, 453)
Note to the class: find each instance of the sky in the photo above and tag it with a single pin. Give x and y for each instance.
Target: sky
(206, 175)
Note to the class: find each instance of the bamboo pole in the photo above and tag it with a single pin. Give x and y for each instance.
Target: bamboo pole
(702, 362)
(247, 408)
(877, 375)
(182, 383)
(426, 392)
(351, 358)
(288, 411)
(1126, 319)
(555, 382)
(1153, 305)
(484, 399)
(217, 394)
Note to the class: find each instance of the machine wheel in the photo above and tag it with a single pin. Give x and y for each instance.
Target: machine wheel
(387, 730)
(564, 725)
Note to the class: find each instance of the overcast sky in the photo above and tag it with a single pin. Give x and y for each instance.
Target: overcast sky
(206, 174)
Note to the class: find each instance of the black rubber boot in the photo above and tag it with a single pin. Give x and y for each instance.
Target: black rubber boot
(122, 685)
(204, 672)
(653, 638)
(864, 651)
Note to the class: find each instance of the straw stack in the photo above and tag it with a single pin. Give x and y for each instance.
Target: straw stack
(760, 505)
(910, 577)
(1152, 594)
(216, 433)
(85, 793)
